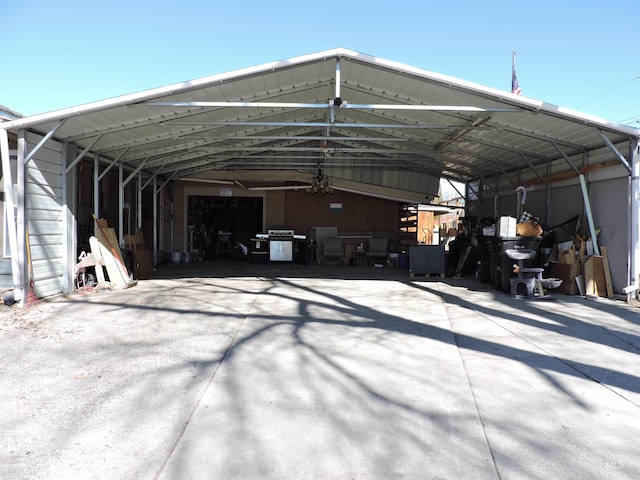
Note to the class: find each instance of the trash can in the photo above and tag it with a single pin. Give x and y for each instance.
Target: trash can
(403, 260)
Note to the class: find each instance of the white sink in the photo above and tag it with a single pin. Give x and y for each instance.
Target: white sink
(520, 253)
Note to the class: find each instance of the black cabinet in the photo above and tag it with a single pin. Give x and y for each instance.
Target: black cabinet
(426, 260)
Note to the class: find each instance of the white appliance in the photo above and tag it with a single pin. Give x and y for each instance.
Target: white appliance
(280, 245)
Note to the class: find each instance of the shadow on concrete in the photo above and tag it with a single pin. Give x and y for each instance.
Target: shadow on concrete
(153, 351)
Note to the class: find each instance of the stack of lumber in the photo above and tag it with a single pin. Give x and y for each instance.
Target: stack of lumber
(105, 248)
(581, 271)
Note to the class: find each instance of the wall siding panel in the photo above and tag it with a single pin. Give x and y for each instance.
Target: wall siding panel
(44, 216)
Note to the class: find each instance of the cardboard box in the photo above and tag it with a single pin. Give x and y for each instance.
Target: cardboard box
(567, 272)
(506, 227)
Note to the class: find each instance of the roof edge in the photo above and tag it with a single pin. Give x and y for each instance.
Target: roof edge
(499, 95)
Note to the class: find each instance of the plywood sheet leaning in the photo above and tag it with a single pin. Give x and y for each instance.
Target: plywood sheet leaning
(111, 254)
(107, 237)
(599, 277)
(143, 264)
(99, 263)
(607, 271)
(118, 275)
(589, 283)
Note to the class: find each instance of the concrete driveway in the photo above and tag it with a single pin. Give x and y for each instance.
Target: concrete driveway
(237, 371)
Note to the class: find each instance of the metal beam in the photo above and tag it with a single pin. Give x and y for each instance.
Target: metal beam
(83, 153)
(153, 177)
(525, 160)
(134, 173)
(137, 123)
(613, 148)
(353, 106)
(268, 148)
(300, 137)
(587, 207)
(455, 188)
(115, 161)
(243, 123)
(576, 169)
(166, 181)
(44, 140)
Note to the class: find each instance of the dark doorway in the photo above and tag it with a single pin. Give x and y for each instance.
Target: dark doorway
(209, 215)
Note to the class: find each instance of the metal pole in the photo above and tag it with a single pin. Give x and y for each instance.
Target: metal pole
(120, 204)
(21, 218)
(9, 213)
(634, 207)
(587, 207)
(96, 188)
(139, 206)
(155, 222)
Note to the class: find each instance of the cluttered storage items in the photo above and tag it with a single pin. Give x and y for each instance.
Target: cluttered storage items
(523, 258)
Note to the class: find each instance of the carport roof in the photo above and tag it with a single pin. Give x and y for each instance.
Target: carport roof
(360, 118)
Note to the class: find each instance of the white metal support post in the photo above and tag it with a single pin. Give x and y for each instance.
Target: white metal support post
(96, 187)
(121, 204)
(21, 212)
(69, 183)
(139, 189)
(155, 221)
(10, 219)
(634, 209)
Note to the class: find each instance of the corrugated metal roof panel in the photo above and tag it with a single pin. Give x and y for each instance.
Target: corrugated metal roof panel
(400, 126)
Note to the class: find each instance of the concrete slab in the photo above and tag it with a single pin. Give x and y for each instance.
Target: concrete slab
(326, 380)
(231, 370)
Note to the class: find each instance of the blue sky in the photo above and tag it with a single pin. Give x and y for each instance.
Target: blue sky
(581, 55)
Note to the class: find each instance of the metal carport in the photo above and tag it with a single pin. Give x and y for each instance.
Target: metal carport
(374, 126)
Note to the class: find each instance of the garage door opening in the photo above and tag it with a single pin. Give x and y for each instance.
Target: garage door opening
(215, 220)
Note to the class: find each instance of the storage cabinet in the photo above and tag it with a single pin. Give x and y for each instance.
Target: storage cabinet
(427, 260)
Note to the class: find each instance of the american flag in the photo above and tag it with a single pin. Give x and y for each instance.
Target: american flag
(515, 86)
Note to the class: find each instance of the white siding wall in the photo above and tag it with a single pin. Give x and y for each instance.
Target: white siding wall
(44, 216)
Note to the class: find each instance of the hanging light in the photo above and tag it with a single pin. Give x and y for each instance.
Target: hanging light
(319, 184)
